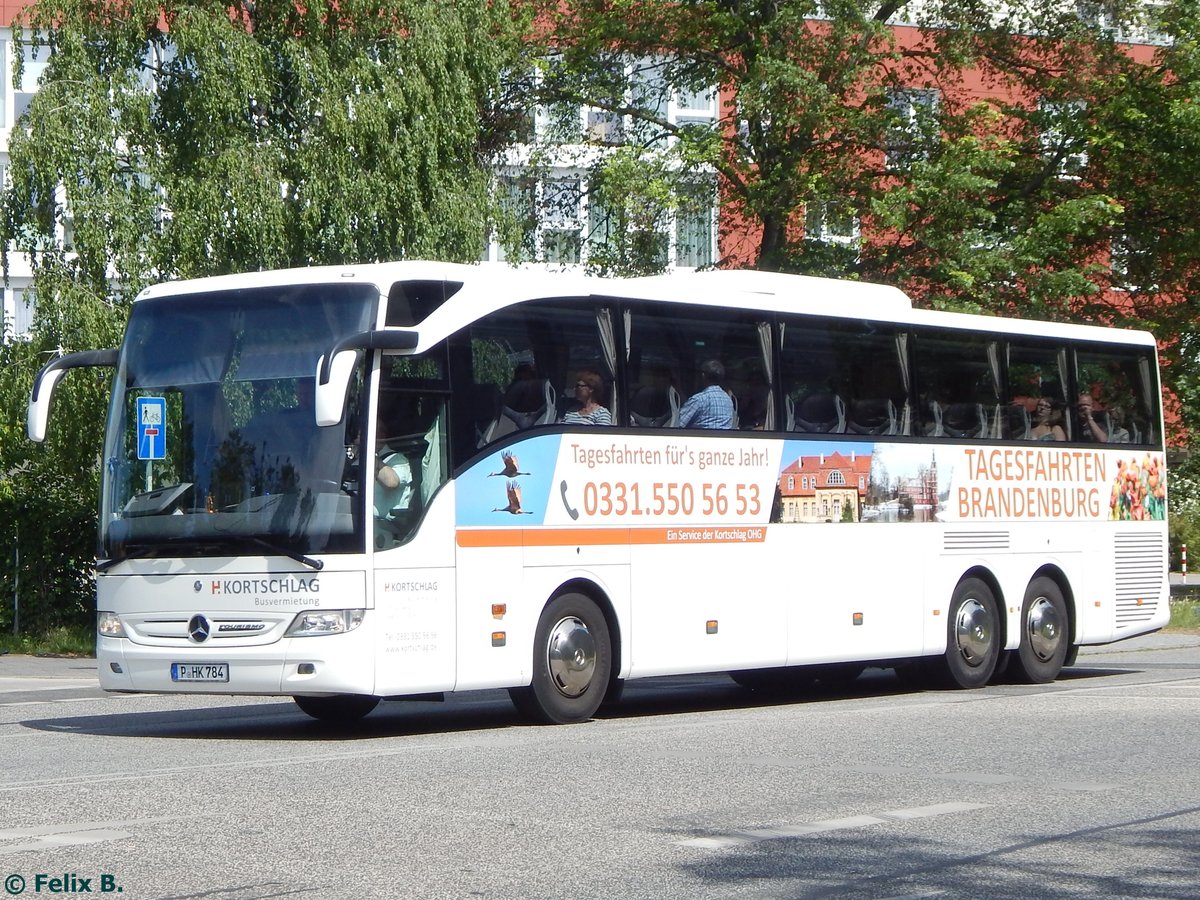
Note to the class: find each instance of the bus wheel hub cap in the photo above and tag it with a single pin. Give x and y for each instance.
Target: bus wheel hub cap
(572, 656)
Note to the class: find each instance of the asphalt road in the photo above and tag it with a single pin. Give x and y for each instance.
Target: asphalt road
(691, 787)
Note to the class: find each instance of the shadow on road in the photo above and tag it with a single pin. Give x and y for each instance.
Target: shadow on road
(272, 720)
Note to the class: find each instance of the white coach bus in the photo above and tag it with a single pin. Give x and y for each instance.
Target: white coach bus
(397, 480)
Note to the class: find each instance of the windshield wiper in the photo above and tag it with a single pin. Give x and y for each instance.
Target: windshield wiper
(284, 551)
(142, 550)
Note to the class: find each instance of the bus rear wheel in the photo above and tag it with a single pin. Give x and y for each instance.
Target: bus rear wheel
(572, 662)
(1044, 639)
(339, 709)
(973, 636)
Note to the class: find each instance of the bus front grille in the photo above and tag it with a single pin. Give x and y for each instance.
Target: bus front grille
(221, 629)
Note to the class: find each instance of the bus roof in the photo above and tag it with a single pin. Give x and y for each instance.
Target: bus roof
(490, 286)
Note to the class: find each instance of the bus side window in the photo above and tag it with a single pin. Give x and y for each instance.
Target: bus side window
(668, 347)
(810, 360)
(1122, 389)
(1035, 392)
(959, 378)
(527, 359)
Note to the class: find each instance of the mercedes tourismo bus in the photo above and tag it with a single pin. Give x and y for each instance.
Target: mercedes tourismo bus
(351, 483)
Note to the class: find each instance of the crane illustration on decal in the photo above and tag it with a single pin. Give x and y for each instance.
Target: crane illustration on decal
(511, 466)
(514, 501)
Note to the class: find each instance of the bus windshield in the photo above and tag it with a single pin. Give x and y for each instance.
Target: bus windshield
(212, 445)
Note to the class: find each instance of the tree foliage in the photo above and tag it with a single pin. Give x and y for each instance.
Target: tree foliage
(1000, 186)
(186, 138)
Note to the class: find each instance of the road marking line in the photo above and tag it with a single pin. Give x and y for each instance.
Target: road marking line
(986, 778)
(55, 841)
(742, 838)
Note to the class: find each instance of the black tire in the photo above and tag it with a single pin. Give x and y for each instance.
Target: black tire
(572, 663)
(972, 637)
(1045, 637)
(780, 681)
(342, 708)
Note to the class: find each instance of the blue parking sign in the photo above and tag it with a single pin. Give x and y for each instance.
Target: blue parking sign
(152, 428)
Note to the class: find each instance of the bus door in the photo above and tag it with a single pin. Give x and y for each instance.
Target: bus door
(412, 506)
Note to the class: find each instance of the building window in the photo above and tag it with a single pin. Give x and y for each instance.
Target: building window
(831, 222)
(1095, 14)
(1064, 136)
(7, 68)
(34, 64)
(518, 203)
(561, 200)
(914, 128)
(835, 477)
(19, 322)
(648, 93)
(694, 220)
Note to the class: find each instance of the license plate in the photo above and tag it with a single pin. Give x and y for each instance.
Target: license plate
(212, 672)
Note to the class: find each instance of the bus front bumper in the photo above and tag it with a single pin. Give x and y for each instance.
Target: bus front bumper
(329, 664)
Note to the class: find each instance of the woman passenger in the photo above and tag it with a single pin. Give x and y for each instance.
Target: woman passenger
(589, 394)
(1043, 428)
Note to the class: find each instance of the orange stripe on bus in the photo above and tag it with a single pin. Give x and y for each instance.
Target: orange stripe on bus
(573, 537)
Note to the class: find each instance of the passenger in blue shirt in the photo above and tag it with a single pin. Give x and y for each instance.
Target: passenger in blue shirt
(711, 406)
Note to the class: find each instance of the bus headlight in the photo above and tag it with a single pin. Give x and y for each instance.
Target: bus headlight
(108, 624)
(313, 622)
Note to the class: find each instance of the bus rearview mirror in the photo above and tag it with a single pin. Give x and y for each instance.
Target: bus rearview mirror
(37, 416)
(331, 395)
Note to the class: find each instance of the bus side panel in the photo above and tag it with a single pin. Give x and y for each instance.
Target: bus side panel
(415, 608)
(707, 607)
(855, 589)
(496, 618)
(1125, 591)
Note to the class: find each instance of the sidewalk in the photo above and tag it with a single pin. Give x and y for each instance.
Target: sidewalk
(16, 666)
(1156, 641)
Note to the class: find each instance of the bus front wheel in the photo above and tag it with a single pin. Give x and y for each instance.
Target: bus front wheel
(341, 708)
(1044, 638)
(973, 636)
(572, 662)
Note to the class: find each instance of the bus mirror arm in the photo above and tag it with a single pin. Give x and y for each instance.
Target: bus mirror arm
(380, 339)
(335, 369)
(38, 414)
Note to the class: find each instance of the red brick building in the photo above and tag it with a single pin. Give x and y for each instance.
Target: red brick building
(825, 488)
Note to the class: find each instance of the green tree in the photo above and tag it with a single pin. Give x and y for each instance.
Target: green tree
(187, 138)
(990, 157)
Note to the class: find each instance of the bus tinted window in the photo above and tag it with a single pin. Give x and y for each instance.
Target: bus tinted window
(411, 454)
(526, 360)
(1036, 402)
(409, 302)
(668, 345)
(958, 382)
(844, 377)
(1116, 396)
